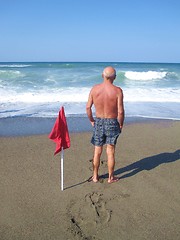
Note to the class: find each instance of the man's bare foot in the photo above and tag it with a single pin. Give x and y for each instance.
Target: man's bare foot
(92, 179)
(113, 180)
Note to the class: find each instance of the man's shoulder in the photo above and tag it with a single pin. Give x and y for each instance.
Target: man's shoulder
(118, 88)
(96, 86)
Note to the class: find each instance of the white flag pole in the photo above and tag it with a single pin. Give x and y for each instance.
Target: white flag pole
(62, 163)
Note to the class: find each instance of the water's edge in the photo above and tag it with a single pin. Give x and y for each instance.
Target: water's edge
(23, 126)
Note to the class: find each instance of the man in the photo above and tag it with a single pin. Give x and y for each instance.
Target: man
(108, 102)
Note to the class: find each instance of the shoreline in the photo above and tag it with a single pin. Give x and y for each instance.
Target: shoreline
(27, 126)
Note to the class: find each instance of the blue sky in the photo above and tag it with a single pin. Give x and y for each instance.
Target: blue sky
(90, 30)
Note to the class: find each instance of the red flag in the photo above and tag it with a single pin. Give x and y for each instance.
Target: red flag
(59, 133)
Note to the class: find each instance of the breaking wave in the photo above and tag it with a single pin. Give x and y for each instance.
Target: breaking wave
(149, 75)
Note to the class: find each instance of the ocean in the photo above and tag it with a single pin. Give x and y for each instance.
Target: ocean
(39, 89)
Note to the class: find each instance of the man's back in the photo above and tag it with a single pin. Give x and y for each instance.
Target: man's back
(105, 98)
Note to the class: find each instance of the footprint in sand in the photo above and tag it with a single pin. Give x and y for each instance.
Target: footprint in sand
(103, 164)
(88, 215)
(96, 202)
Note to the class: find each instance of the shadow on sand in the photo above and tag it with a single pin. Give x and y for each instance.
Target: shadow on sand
(147, 163)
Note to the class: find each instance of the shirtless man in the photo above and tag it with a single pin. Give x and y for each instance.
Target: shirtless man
(108, 102)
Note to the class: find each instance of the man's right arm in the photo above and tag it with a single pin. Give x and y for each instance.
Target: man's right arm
(89, 108)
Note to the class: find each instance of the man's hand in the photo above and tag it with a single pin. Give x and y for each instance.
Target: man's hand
(92, 123)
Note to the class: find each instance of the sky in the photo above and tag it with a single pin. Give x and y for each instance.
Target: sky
(90, 30)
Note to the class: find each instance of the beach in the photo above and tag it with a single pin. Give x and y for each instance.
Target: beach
(143, 204)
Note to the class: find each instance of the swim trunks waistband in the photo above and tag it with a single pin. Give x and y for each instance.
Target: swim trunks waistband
(105, 118)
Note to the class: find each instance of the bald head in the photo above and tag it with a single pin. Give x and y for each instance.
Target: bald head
(109, 73)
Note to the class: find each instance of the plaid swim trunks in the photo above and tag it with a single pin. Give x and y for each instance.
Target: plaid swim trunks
(106, 131)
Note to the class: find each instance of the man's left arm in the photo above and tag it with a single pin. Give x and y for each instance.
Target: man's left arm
(120, 109)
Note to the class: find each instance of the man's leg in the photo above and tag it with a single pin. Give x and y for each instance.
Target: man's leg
(110, 150)
(96, 162)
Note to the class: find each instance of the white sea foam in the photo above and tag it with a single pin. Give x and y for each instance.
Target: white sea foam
(149, 75)
(45, 96)
(14, 65)
(80, 95)
(152, 95)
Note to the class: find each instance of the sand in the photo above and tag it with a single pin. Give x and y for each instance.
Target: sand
(143, 204)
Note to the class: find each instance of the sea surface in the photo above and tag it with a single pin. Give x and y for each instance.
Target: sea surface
(39, 89)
